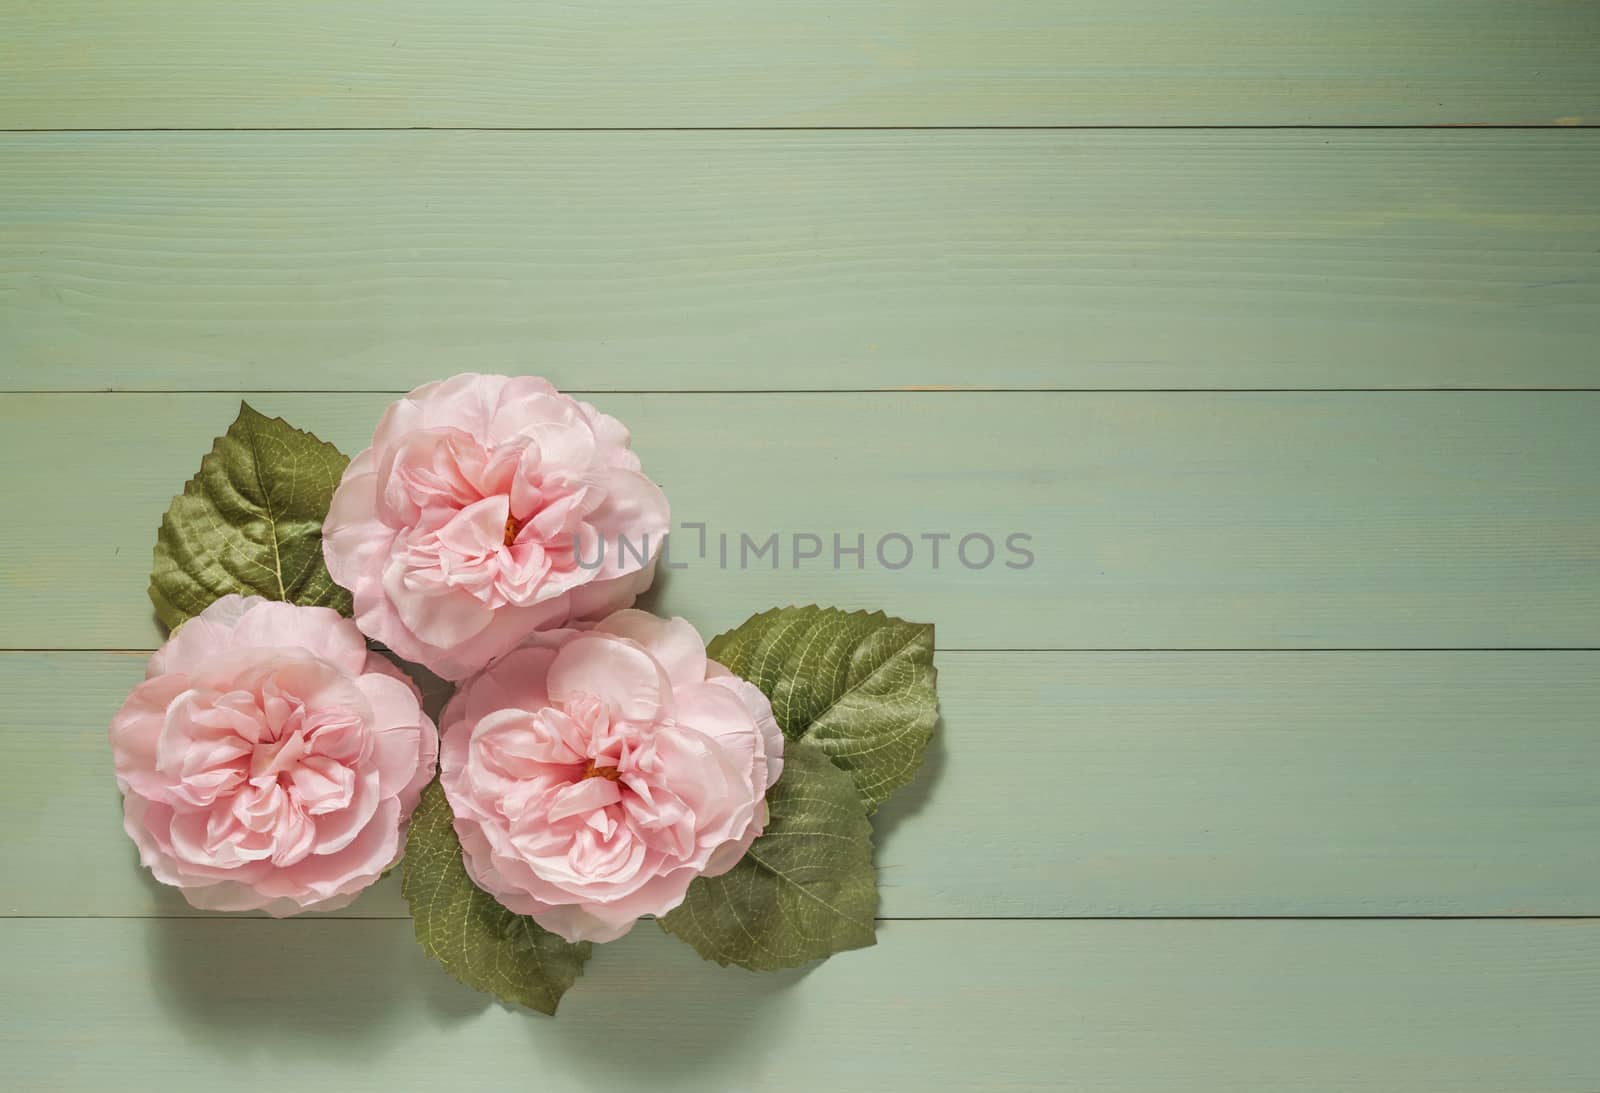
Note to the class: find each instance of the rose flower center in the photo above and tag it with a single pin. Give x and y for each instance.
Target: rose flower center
(610, 774)
(513, 526)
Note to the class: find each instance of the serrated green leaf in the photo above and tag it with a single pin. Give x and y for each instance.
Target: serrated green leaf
(250, 522)
(461, 926)
(806, 889)
(859, 685)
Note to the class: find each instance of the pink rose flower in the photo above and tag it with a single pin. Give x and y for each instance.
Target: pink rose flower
(268, 761)
(594, 774)
(488, 508)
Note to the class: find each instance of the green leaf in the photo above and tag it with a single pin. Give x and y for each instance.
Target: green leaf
(250, 522)
(859, 685)
(805, 890)
(461, 926)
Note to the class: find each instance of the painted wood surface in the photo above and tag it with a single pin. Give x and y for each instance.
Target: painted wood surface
(1153, 785)
(1171, 355)
(186, 64)
(800, 261)
(1157, 520)
(181, 1005)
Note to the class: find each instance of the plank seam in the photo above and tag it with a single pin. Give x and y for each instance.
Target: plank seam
(224, 917)
(605, 392)
(1108, 649)
(1218, 127)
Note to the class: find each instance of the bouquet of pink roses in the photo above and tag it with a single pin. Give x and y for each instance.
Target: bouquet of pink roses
(595, 765)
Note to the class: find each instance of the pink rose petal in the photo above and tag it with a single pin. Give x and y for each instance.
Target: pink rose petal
(594, 774)
(454, 531)
(270, 762)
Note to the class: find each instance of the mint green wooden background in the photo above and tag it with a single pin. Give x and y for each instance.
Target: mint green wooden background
(1273, 321)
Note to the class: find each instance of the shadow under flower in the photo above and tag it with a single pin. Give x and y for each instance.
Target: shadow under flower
(913, 797)
(650, 1011)
(245, 981)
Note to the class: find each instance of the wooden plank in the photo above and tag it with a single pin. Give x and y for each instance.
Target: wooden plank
(1061, 784)
(801, 261)
(193, 1004)
(1450, 520)
(401, 63)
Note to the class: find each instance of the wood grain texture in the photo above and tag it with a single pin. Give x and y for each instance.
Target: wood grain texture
(298, 63)
(1450, 520)
(1152, 784)
(801, 261)
(1143, 791)
(180, 1005)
